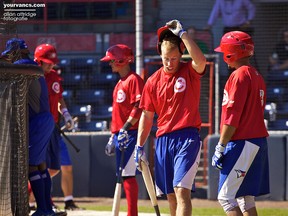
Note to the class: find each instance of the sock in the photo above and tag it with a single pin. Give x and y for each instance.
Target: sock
(38, 188)
(47, 185)
(67, 198)
(131, 190)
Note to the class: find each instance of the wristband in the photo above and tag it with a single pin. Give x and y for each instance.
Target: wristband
(181, 33)
(64, 110)
(127, 126)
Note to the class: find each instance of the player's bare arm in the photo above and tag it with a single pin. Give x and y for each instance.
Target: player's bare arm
(62, 104)
(136, 111)
(145, 125)
(227, 133)
(198, 58)
(132, 120)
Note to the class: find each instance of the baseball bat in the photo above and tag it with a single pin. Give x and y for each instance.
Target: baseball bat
(118, 188)
(75, 119)
(150, 186)
(68, 139)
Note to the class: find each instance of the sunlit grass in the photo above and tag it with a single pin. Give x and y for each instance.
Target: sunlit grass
(196, 211)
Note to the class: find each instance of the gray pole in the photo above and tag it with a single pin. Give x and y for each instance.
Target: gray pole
(139, 36)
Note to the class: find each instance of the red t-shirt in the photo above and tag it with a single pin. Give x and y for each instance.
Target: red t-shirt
(174, 98)
(126, 93)
(244, 102)
(55, 90)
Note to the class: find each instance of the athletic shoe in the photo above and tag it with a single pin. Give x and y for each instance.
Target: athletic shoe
(61, 213)
(39, 213)
(71, 206)
(32, 208)
(57, 211)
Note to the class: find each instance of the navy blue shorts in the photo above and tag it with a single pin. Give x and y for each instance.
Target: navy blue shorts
(40, 130)
(53, 151)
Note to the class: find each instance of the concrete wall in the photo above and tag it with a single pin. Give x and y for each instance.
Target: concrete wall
(94, 171)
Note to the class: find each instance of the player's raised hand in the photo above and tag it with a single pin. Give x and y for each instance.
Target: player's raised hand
(218, 156)
(110, 146)
(175, 26)
(68, 120)
(139, 155)
(123, 139)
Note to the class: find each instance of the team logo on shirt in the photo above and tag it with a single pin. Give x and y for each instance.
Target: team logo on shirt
(225, 98)
(121, 96)
(56, 87)
(240, 173)
(180, 85)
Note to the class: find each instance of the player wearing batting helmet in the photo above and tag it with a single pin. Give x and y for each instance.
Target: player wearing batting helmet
(241, 153)
(173, 93)
(125, 116)
(57, 153)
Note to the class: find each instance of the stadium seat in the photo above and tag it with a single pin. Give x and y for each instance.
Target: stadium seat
(74, 79)
(276, 94)
(279, 76)
(107, 80)
(93, 126)
(91, 96)
(77, 110)
(101, 10)
(76, 10)
(102, 112)
(53, 11)
(68, 96)
(82, 65)
(280, 124)
(105, 67)
(64, 64)
(282, 110)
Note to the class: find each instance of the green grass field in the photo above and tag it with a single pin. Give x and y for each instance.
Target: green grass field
(199, 211)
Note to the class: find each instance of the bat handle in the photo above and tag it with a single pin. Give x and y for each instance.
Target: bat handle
(157, 210)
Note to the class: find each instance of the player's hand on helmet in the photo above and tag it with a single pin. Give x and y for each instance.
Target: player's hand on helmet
(218, 156)
(175, 26)
(110, 146)
(123, 139)
(69, 123)
(139, 155)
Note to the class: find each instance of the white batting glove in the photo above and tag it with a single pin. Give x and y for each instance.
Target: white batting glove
(139, 155)
(69, 123)
(175, 26)
(218, 156)
(110, 147)
(123, 139)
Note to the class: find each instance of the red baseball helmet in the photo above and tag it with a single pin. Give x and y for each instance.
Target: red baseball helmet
(235, 45)
(164, 32)
(120, 53)
(46, 53)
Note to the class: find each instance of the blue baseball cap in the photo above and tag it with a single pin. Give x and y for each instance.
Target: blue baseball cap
(22, 43)
(14, 44)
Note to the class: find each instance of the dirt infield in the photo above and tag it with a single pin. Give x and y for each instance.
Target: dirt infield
(197, 203)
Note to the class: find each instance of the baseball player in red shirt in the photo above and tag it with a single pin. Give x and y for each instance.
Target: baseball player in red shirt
(241, 153)
(58, 155)
(125, 116)
(173, 93)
